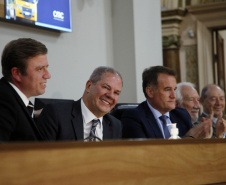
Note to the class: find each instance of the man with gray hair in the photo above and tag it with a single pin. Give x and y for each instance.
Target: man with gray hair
(213, 100)
(188, 98)
(86, 118)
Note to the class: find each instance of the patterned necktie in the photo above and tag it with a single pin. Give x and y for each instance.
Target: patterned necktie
(164, 124)
(30, 108)
(93, 129)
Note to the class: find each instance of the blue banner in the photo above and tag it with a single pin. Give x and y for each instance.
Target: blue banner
(55, 14)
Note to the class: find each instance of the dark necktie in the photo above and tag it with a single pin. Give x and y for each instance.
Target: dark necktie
(30, 108)
(93, 129)
(164, 125)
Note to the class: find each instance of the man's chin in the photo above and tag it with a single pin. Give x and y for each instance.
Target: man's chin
(105, 111)
(216, 114)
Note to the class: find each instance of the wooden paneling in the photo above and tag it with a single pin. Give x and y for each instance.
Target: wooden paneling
(187, 161)
(2, 10)
(171, 60)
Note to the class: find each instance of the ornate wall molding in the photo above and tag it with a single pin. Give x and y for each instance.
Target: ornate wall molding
(209, 17)
(171, 41)
(171, 20)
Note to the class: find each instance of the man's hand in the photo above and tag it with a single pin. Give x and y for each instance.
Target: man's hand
(220, 126)
(203, 129)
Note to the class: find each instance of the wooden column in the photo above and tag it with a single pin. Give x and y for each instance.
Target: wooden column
(171, 20)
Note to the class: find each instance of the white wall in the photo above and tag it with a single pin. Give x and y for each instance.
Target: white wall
(137, 42)
(73, 56)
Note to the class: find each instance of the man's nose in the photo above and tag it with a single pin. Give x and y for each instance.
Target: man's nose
(110, 94)
(173, 94)
(197, 105)
(218, 101)
(47, 74)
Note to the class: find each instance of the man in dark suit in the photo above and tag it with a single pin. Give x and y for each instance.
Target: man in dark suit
(87, 118)
(151, 117)
(213, 100)
(24, 67)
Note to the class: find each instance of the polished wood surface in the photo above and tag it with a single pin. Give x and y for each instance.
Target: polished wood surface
(185, 161)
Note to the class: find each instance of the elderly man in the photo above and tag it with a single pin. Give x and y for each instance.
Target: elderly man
(86, 118)
(25, 74)
(151, 117)
(213, 100)
(188, 98)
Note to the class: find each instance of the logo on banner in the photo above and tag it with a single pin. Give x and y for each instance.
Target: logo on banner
(57, 15)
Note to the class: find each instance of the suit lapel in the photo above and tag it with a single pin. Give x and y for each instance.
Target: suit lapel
(173, 119)
(106, 128)
(77, 121)
(24, 108)
(152, 123)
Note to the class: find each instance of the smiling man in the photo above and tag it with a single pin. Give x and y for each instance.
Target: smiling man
(188, 98)
(213, 100)
(152, 117)
(86, 118)
(24, 67)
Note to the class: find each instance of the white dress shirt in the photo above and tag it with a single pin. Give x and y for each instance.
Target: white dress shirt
(22, 96)
(88, 116)
(157, 114)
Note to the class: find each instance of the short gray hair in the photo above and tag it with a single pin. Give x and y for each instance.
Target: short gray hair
(179, 97)
(100, 71)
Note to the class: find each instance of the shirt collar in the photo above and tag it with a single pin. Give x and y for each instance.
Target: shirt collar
(22, 95)
(156, 113)
(88, 116)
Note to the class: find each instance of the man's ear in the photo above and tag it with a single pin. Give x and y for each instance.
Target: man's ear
(88, 85)
(149, 92)
(16, 74)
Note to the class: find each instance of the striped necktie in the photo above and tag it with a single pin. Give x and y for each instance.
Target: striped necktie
(164, 125)
(92, 134)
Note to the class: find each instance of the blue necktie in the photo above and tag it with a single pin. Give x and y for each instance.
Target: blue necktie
(93, 129)
(164, 125)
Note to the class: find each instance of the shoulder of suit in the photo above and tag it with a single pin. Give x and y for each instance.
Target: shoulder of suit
(110, 117)
(61, 105)
(180, 111)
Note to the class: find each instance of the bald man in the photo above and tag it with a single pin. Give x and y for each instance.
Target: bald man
(213, 99)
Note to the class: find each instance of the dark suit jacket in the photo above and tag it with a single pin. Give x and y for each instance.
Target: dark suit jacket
(141, 123)
(15, 122)
(63, 121)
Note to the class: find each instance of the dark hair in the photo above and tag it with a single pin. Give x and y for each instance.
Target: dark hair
(100, 71)
(150, 76)
(17, 52)
(206, 88)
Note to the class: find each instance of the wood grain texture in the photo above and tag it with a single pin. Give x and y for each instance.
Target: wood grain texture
(114, 162)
